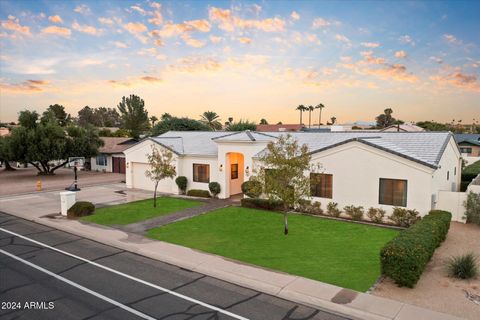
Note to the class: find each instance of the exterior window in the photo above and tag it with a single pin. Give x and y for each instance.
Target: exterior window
(321, 185)
(234, 171)
(465, 150)
(393, 192)
(448, 175)
(201, 172)
(455, 171)
(101, 160)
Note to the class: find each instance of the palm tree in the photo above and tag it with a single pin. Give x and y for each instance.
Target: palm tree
(310, 109)
(211, 119)
(153, 119)
(263, 121)
(333, 119)
(301, 108)
(319, 106)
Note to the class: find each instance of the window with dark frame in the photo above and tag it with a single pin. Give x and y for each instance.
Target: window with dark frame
(234, 171)
(448, 175)
(393, 192)
(321, 185)
(201, 173)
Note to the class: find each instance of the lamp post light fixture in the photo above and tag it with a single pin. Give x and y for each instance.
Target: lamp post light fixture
(247, 171)
(220, 168)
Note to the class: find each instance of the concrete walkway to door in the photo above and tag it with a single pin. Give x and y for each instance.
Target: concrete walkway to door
(211, 204)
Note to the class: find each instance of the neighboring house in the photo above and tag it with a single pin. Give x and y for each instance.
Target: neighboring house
(111, 157)
(369, 169)
(469, 144)
(4, 131)
(279, 127)
(402, 128)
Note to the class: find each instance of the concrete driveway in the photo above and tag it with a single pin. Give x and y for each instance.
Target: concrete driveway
(44, 203)
(24, 180)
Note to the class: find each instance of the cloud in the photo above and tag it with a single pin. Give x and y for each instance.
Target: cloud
(13, 24)
(55, 19)
(452, 39)
(135, 81)
(215, 39)
(119, 44)
(343, 39)
(436, 59)
(155, 5)
(195, 64)
(139, 10)
(88, 62)
(458, 79)
(137, 29)
(29, 86)
(227, 21)
(157, 18)
(319, 23)
(401, 54)
(86, 29)
(245, 40)
(105, 21)
(59, 31)
(370, 44)
(406, 39)
(147, 52)
(175, 29)
(295, 16)
(82, 9)
(192, 42)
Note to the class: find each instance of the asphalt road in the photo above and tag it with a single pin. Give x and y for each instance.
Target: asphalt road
(76, 278)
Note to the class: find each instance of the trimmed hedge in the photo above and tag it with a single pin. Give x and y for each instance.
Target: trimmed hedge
(181, 182)
(198, 193)
(404, 258)
(259, 203)
(251, 188)
(80, 209)
(214, 188)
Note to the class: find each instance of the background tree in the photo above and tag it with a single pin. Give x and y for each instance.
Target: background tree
(161, 167)
(178, 124)
(153, 119)
(242, 125)
(310, 109)
(134, 115)
(86, 117)
(28, 119)
(433, 126)
(263, 121)
(385, 119)
(6, 153)
(319, 106)
(302, 109)
(333, 120)
(59, 114)
(211, 119)
(282, 173)
(48, 141)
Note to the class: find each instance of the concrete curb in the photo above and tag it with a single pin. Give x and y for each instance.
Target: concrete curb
(344, 302)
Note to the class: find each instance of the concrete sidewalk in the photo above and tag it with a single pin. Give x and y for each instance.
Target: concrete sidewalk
(355, 305)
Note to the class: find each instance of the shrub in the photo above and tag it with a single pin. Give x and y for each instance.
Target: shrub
(356, 213)
(404, 258)
(252, 188)
(181, 182)
(316, 208)
(308, 206)
(259, 203)
(376, 214)
(214, 188)
(404, 217)
(472, 208)
(332, 209)
(80, 209)
(463, 267)
(198, 193)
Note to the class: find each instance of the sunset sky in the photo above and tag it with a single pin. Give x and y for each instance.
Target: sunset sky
(244, 59)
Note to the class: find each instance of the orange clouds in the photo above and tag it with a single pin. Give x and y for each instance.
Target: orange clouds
(133, 82)
(29, 86)
(55, 19)
(86, 29)
(135, 27)
(227, 21)
(458, 79)
(59, 31)
(245, 40)
(401, 54)
(13, 24)
(370, 44)
(175, 29)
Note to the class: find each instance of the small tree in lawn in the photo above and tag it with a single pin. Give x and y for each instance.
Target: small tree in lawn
(161, 164)
(282, 174)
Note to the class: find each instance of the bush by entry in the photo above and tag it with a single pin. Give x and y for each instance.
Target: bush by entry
(343, 254)
(405, 257)
(139, 210)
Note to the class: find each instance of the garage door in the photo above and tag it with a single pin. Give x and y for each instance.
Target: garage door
(140, 181)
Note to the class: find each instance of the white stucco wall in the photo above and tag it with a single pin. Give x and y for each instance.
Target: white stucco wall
(449, 163)
(357, 169)
(185, 168)
(107, 167)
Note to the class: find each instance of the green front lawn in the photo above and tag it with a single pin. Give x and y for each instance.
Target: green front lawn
(139, 210)
(336, 252)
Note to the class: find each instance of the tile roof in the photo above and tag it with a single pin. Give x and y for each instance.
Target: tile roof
(115, 144)
(472, 138)
(423, 147)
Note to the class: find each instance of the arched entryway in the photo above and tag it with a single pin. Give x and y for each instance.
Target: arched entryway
(234, 173)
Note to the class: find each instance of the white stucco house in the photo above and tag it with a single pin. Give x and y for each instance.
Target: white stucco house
(110, 156)
(369, 169)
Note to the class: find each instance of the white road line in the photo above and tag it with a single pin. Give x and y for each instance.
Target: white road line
(78, 286)
(179, 295)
